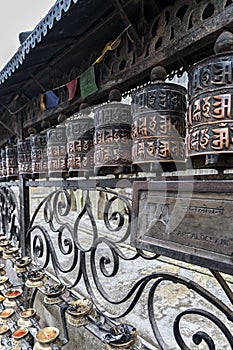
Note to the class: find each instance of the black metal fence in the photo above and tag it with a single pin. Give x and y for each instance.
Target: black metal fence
(86, 247)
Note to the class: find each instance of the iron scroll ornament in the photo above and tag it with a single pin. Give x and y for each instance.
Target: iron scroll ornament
(91, 265)
(9, 214)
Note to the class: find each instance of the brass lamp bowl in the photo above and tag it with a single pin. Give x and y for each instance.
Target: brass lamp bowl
(47, 335)
(53, 290)
(13, 293)
(4, 282)
(4, 329)
(20, 333)
(77, 312)
(2, 298)
(80, 307)
(4, 243)
(27, 313)
(22, 262)
(121, 337)
(35, 275)
(3, 279)
(35, 278)
(26, 316)
(6, 313)
(11, 250)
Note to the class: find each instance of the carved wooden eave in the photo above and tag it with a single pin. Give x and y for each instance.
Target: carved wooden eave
(173, 33)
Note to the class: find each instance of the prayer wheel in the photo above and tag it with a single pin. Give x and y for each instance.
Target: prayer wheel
(210, 118)
(12, 170)
(1, 176)
(3, 158)
(24, 158)
(112, 140)
(57, 151)
(39, 155)
(158, 130)
(80, 133)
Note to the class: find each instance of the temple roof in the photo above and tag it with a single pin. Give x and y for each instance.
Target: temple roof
(64, 37)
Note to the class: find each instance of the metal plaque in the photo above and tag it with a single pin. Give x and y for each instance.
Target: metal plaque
(189, 221)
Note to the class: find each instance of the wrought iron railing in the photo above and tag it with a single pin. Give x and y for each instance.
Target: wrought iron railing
(89, 252)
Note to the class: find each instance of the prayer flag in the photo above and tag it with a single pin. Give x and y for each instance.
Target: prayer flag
(110, 46)
(72, 86)
(51, 99)
(87, 82)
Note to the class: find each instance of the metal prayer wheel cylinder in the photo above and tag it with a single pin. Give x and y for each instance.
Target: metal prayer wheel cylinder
(39, 155)
(1, 176)
(24, 157)
(112, 140)
(210, 118)
(12, 170)
(3, 157)
(158, 130)
(57, 151)
(80, 134)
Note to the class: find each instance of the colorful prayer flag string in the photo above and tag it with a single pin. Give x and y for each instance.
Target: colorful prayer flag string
(86, 79)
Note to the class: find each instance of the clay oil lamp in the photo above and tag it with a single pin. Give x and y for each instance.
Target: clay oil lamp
(12, 296)
(6, 315)
(4, 331)
(5, 335)
(2, 298)
(10, 252)
(26, 317)
(52, 292)
(45, 337)
(35, 278)
(4, 243)
(19, 334)
(4, 282)
(21, 264)
(78, 311)
(123, 336)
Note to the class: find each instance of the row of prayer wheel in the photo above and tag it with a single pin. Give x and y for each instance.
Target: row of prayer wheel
(159, 130)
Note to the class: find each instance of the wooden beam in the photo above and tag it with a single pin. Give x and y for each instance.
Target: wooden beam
(127, 23)
(186, 46)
